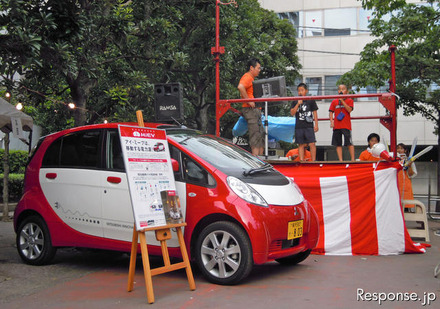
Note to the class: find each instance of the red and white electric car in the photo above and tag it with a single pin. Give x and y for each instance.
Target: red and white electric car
(239, 210)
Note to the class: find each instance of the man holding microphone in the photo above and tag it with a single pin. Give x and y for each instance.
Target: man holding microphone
(340, 121)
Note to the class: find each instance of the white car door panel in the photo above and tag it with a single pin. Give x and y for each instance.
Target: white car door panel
(75, 196)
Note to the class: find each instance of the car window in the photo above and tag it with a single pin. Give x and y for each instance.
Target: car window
(76, 150)
(52, 154)
(189, 170)
(195, 174)
(81, 149)
(175, 154)
(34, 150)
(114, 158)
(217, 151)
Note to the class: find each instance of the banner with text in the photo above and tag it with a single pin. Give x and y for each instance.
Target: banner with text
(149, 171)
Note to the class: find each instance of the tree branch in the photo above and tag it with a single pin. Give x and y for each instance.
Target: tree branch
(44, 95)
(125, 57)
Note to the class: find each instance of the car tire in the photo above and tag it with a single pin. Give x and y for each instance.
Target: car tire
(294, 259)
(33, 241)
(224, 253)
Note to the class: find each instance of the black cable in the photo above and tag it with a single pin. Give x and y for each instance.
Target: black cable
(328, 52)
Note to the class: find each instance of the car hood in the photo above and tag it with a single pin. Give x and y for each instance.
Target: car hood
(282, 195)
(274, 187)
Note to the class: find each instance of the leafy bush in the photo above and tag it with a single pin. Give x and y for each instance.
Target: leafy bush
(17, 161)
(15, 185)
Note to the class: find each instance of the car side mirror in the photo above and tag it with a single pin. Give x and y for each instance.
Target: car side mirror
(175, 165)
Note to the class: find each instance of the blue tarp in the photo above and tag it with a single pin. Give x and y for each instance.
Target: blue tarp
(280, 128)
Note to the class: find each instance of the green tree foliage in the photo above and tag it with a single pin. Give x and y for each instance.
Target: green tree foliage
(15, 187)
(106, 56)
(17, 165)
(249, 31)
(415, 31)
(17, 161)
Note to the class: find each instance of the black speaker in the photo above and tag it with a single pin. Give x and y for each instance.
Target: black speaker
(270, 87)
(168, 102)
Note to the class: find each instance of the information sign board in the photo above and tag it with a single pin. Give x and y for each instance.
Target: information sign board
(149, 171)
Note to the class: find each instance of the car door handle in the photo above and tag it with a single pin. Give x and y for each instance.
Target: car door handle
(114, 179)
(51, 175)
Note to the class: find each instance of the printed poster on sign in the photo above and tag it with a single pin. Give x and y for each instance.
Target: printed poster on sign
(149, 171)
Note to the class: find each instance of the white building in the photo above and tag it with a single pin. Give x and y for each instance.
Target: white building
(331, 35)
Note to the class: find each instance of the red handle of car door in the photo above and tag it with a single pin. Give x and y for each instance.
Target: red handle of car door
(114, 179)
(51, 175)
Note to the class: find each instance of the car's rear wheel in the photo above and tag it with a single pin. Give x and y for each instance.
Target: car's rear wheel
(224, 253)
(33, 241)
(294, 259)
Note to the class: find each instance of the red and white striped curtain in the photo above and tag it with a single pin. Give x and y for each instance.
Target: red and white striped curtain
(358, 206)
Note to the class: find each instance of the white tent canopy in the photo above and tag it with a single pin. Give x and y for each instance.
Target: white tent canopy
(8, 113)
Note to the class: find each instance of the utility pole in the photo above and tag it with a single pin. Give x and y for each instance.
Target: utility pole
(216, 51)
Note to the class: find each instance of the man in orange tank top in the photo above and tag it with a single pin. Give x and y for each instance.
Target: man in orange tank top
(251, 113)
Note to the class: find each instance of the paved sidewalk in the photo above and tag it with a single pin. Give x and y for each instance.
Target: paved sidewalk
(90, 279)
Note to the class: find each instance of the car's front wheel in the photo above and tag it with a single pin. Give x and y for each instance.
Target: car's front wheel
(33, 241)
(224, 253)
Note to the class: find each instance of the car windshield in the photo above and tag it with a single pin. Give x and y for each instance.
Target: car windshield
(218, 152)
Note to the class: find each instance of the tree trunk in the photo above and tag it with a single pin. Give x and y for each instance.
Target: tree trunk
(80, 90)
(202, 117)
(80, 117)
(5, 179)
(437, 208)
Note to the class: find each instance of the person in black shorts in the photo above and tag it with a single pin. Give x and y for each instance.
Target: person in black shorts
(305, 112)
(340, 121)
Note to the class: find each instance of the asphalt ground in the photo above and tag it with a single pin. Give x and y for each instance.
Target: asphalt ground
(97, 279)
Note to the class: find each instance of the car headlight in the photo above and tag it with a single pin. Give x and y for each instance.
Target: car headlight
(245, 191)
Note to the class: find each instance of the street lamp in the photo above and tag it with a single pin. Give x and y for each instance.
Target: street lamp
(8, 95)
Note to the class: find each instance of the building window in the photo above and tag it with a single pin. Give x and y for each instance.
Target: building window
(384, 88)
(433, 87)
(432, 90)
(292, 90)
(365, 90)
(340, 22)
(365, 17)
(330, 86)
(296, 19)
(315, 85)
(313, 23)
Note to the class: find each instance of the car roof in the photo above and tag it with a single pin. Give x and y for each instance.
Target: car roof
(113, 125)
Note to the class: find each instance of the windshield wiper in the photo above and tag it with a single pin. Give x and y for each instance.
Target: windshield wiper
(255, 170)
